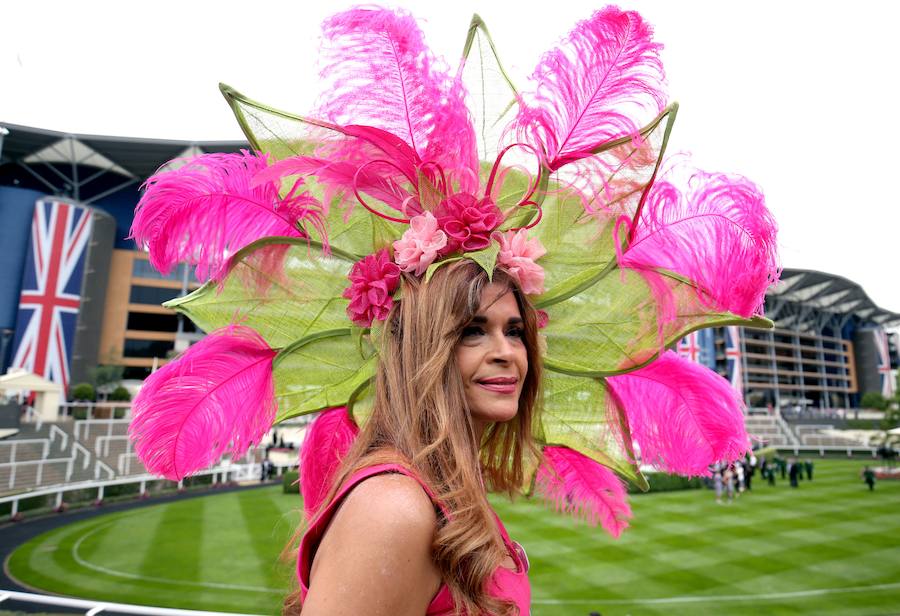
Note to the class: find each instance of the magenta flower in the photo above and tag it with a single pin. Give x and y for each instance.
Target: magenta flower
(518, 255)
(420, 244)
(373, 281)
(467, 221)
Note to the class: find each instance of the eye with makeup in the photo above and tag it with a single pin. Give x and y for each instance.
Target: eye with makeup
(513, 330)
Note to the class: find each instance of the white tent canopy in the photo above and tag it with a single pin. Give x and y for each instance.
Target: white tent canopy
(47, 392)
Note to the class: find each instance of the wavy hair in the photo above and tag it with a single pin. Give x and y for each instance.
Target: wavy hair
(420, 419)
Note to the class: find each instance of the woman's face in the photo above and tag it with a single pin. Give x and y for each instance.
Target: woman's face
(492, 358)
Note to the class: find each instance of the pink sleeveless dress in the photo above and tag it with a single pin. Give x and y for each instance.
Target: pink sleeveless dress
(504, 583)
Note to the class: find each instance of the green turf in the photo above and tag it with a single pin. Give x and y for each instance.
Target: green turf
(829, 547)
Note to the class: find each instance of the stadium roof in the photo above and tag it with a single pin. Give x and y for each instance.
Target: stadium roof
(51, 157)
(818, 292)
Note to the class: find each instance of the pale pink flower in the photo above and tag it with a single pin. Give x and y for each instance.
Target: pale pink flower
(518, 254)
(420, 244)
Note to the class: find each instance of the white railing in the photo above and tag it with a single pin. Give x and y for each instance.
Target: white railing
(98, 607)
(56, 431)
(87, 423)
(67, 409)
(12, 466)
(124, 463)
(786, 429)
(823, 449)
(219, 473)
(101, 446)
(14, 446)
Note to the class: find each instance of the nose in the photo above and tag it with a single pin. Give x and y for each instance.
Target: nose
(501, 348)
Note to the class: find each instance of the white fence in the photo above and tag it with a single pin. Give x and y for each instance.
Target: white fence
(99, 607)
(219, 473)
(13, 446)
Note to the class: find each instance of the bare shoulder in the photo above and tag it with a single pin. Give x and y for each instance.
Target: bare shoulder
(375, 556)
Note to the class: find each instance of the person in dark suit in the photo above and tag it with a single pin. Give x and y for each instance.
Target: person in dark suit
(869, 477)
(808, 466)
(794, 472)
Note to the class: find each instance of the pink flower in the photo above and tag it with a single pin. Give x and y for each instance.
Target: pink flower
(467, 221)
(518, 255)
(419, 246)
(373, 281)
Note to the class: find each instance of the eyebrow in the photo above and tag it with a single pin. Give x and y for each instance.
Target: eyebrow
(481, 319)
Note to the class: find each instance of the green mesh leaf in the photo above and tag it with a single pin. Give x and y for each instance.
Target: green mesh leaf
(579, 414)
(284, 288)
(352, 228)
(612, 326)
(486, 258)
(321, 371)
(438, 264)
(492, 96)
(361, 403)
(584, 203)
(278, 133)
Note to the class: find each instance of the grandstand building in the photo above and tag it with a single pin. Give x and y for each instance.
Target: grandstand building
(67, 203)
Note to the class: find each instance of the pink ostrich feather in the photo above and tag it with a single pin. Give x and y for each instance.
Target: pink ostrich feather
(217, 398)
(206, 210)
(683, 416)
(590, 89)
(378, 72)
(327, 441)
(583, 488)
(715, 231)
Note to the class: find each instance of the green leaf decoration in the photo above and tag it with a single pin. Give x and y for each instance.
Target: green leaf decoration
(612, 327)
(492, 99)
(284, 288)
(437, 264)
(486, 258)
(279, 133)
(320, 371)
(361, 403)
(578, 413)
(577, 225)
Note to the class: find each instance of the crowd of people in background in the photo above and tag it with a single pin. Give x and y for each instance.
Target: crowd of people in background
(731, 480)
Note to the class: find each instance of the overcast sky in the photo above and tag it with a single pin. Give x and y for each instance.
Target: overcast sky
(798, 96)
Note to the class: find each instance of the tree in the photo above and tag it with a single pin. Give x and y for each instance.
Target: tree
(874, 400)
(106, 375)
(84, 392)
(120, 394)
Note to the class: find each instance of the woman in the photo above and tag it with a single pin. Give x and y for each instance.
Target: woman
(410, 530)
(372, 248)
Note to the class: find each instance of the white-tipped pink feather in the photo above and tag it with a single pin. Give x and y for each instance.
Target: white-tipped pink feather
(216, 398)
(579, 486)
(326, 443)
(378, 72)
(603, 82)
(713, 229)
(206, 210)
(683, 416)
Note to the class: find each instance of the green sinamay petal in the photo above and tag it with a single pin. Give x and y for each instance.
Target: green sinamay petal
(584, 203)
(492, 95)
(284, 288)
(612, 327)
(579, 414)
(321, 371)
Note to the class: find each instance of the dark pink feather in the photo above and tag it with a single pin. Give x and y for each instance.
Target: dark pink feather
(206, 210)
(603, 82)
(216, 398)
(378, 72)
(683, 416)
(326, 442)
(586, 489)
(713, 229)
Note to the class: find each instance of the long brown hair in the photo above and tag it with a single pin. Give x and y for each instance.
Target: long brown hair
(420, 418)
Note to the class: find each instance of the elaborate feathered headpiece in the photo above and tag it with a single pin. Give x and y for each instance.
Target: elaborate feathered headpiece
(302, 242)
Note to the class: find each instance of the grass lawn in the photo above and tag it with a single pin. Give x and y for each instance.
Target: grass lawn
(828, 547)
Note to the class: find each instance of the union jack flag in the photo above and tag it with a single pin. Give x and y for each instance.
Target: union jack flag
(689, 347)
(51, 289)
(884, 362)
(733, 357)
